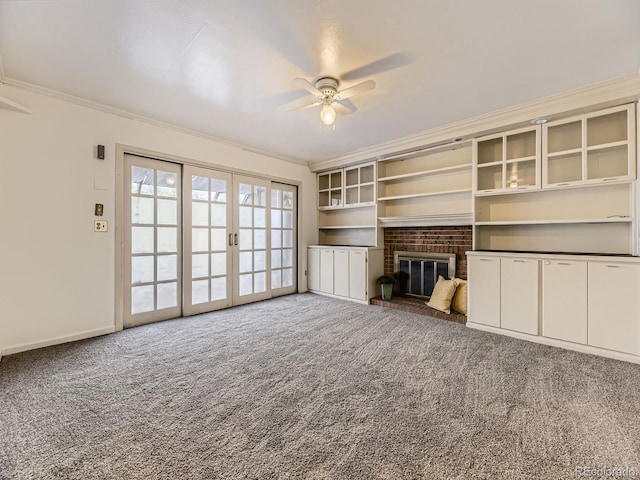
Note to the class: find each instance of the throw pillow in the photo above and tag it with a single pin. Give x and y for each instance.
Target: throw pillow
(459, 301)
(442, 294)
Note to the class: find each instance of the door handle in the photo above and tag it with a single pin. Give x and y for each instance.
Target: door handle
(235, 239)
(231, 239)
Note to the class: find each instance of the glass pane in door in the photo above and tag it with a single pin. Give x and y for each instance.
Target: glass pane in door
(252, 231)
(282, 234)
(152, 241)
(208, 239)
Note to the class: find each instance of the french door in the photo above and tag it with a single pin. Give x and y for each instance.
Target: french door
(198, 239)
(152, 212)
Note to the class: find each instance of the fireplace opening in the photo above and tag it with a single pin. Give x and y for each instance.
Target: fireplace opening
(421, 270)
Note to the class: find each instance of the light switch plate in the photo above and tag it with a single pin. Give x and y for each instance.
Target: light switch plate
(100, 226)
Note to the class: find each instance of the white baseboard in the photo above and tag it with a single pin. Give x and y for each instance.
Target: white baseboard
(363, 302)
(576, 347)
(57, 340)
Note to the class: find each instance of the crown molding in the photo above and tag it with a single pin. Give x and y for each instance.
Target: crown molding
(600, 95)
(141, 118)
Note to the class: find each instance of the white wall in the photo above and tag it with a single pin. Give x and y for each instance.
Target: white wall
(57, 278)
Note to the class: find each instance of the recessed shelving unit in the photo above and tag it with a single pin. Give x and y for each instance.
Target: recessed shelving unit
(427, 186)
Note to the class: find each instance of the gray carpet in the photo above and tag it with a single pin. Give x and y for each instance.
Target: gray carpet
(309, 387)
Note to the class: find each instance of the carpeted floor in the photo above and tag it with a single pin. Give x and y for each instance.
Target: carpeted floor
(309, 387)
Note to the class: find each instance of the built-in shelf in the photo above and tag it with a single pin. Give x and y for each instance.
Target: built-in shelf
(350, 207)
(425, 173)
(339, 227)
(425, 194)
(11, 105)
(427, 220)
(559, 222)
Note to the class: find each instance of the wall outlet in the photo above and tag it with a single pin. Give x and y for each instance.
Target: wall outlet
(100, 226)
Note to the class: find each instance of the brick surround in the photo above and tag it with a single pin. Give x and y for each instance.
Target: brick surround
(429, 239)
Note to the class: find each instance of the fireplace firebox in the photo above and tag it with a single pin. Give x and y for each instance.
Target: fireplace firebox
(420, 271)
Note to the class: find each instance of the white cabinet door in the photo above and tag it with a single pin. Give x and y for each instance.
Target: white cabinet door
(313, 269)
(614, 306)
(341, 272)
(326, 270)
(484, 290)
(519, 295)
(564, 300)
(358, 274)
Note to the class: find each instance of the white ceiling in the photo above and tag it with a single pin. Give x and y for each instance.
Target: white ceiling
(226, 68)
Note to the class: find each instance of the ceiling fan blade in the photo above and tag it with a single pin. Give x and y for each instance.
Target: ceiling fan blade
(280, 100)
(356, 89)
(387, 63)
(302, 82)
(344, 107)
(269, 23)
(304, 107)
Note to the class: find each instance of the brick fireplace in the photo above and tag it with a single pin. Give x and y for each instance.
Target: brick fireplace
(445, 239)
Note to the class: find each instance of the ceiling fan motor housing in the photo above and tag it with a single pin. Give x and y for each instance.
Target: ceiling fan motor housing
(328, 86)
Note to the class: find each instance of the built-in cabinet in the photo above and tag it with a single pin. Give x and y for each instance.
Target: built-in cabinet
(593, 148)
(484, 296)
(347, 208)
(345, 272)
(614, 306)
(519, 293)
(588, 303)
(564, 300)
(586, 200)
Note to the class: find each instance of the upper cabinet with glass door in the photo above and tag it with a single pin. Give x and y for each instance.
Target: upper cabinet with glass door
(359, 184)
(348, 187)
(507, 162)
(595, 148)
(330, 189)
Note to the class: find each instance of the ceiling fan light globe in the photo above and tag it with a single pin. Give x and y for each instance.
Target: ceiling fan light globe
(328, 115)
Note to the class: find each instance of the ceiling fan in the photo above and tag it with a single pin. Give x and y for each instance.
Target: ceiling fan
(325, 90)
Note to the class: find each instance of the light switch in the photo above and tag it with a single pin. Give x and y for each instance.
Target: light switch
(99, 209)
(100, 226)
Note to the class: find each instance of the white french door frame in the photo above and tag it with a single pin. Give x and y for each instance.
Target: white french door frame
(121, 227)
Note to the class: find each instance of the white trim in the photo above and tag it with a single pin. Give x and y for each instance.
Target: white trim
(576, 347)
(23, 347)
(141, 118)
(612, 92)
(1, 70)
(452, 219)
(338, 297)
(11, 105)
(617, 259)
